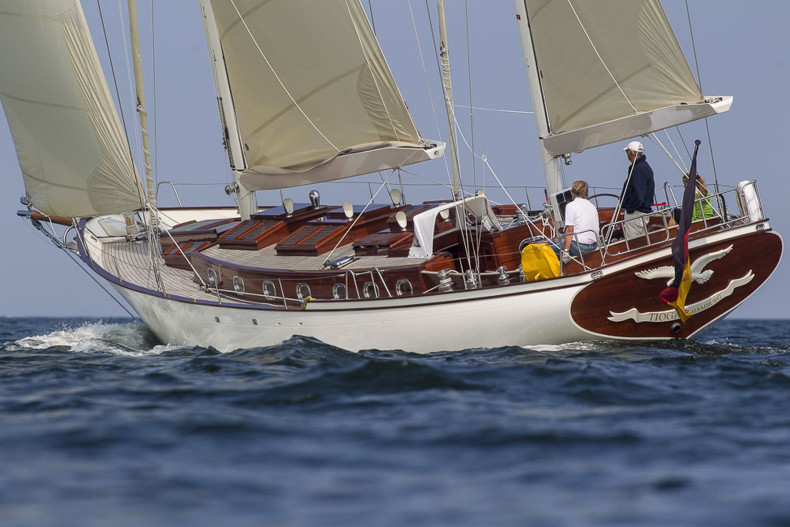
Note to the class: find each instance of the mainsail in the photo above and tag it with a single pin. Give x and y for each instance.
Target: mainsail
(610, 70)
(314, 98)
(72, 151)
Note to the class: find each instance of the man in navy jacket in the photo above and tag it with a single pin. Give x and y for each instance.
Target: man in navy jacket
(637, 191)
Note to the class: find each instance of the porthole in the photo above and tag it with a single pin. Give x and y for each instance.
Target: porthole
(212, 277)
(238, 284)
(403, 287)
(269, 291)
(370, 290)
(302, 291)
(339, 291)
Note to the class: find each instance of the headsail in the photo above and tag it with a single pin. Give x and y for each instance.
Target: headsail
(313, 96)
(69, 141)
(611, 70)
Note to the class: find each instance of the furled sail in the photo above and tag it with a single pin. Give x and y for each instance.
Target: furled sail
(610, 70)
(313, 96)
(74, 158)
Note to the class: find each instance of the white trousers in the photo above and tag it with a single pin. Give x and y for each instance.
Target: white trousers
(633, 227)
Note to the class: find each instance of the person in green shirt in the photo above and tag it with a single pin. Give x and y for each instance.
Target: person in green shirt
(702, 207)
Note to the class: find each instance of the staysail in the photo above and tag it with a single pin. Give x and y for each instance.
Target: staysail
(72, 151)
(314, 98)
(611, 70)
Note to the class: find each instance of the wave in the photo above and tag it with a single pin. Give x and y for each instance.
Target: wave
(133, 338)
(129, 338)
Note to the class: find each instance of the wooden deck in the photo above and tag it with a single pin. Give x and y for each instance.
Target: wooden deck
(267, 258)
(130, 262)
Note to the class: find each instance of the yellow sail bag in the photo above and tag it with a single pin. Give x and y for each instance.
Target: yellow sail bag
(539, 262)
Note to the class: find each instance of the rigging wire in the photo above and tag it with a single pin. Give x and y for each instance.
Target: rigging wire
(603, 63)
(156, 135)
(503, 110)
(439, 72)
(699, 81)
(129, 75)
(372, 21)
(427, 80)
(675, 148)
(469, 81)
(277, 77)
(373, 77)
(78, 262)
(482, 157)
(677, 162)
(140, 190)
(425, 70)
(384, 184)
(618, 207)
(104, 288)
(683, 142)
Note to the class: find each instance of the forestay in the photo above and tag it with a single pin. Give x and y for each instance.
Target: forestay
(611, 70)
(313, 95)
(72, 151)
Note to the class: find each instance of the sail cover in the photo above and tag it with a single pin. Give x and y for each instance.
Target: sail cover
(313, 95)
(74, 158)
(610, 70)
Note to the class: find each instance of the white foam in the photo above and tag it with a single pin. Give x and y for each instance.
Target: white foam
(564, 348)
(97, 337)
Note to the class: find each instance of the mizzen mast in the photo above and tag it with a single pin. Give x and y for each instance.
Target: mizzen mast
(447, 87)
(549, 161)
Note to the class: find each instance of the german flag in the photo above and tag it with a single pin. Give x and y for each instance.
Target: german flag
(675, 295)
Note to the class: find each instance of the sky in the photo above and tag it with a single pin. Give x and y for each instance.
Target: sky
(741, 48)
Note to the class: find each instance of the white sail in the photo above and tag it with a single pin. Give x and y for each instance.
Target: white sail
(74, 158)
(313, 96)
(610, 70)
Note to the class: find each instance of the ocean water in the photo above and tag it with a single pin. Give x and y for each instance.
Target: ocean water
(102, 426)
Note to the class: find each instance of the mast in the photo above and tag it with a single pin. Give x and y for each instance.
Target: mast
(447, 85)
(231, 136)
(137, 61)
(550, 167)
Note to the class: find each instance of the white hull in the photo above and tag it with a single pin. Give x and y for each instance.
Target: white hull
(525, 316)
(615, 301)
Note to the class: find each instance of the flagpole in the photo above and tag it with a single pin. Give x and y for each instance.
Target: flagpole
(675, 295)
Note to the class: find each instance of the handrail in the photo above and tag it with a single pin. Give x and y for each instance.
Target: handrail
(235, 295)
(381, 277)
(574, 236)
(709, 223)
(173, 186)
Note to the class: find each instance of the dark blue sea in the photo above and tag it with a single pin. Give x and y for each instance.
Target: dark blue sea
(102, 426)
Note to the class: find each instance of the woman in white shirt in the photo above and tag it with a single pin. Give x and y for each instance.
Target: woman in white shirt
(581, 225)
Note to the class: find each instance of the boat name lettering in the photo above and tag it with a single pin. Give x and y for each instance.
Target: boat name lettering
(698, 307)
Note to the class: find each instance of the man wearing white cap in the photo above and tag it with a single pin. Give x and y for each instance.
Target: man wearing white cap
(637, 191)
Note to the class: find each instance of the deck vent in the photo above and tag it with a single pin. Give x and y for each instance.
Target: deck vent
(315, 199)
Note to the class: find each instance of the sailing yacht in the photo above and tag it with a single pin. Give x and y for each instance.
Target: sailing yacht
(305, 96)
